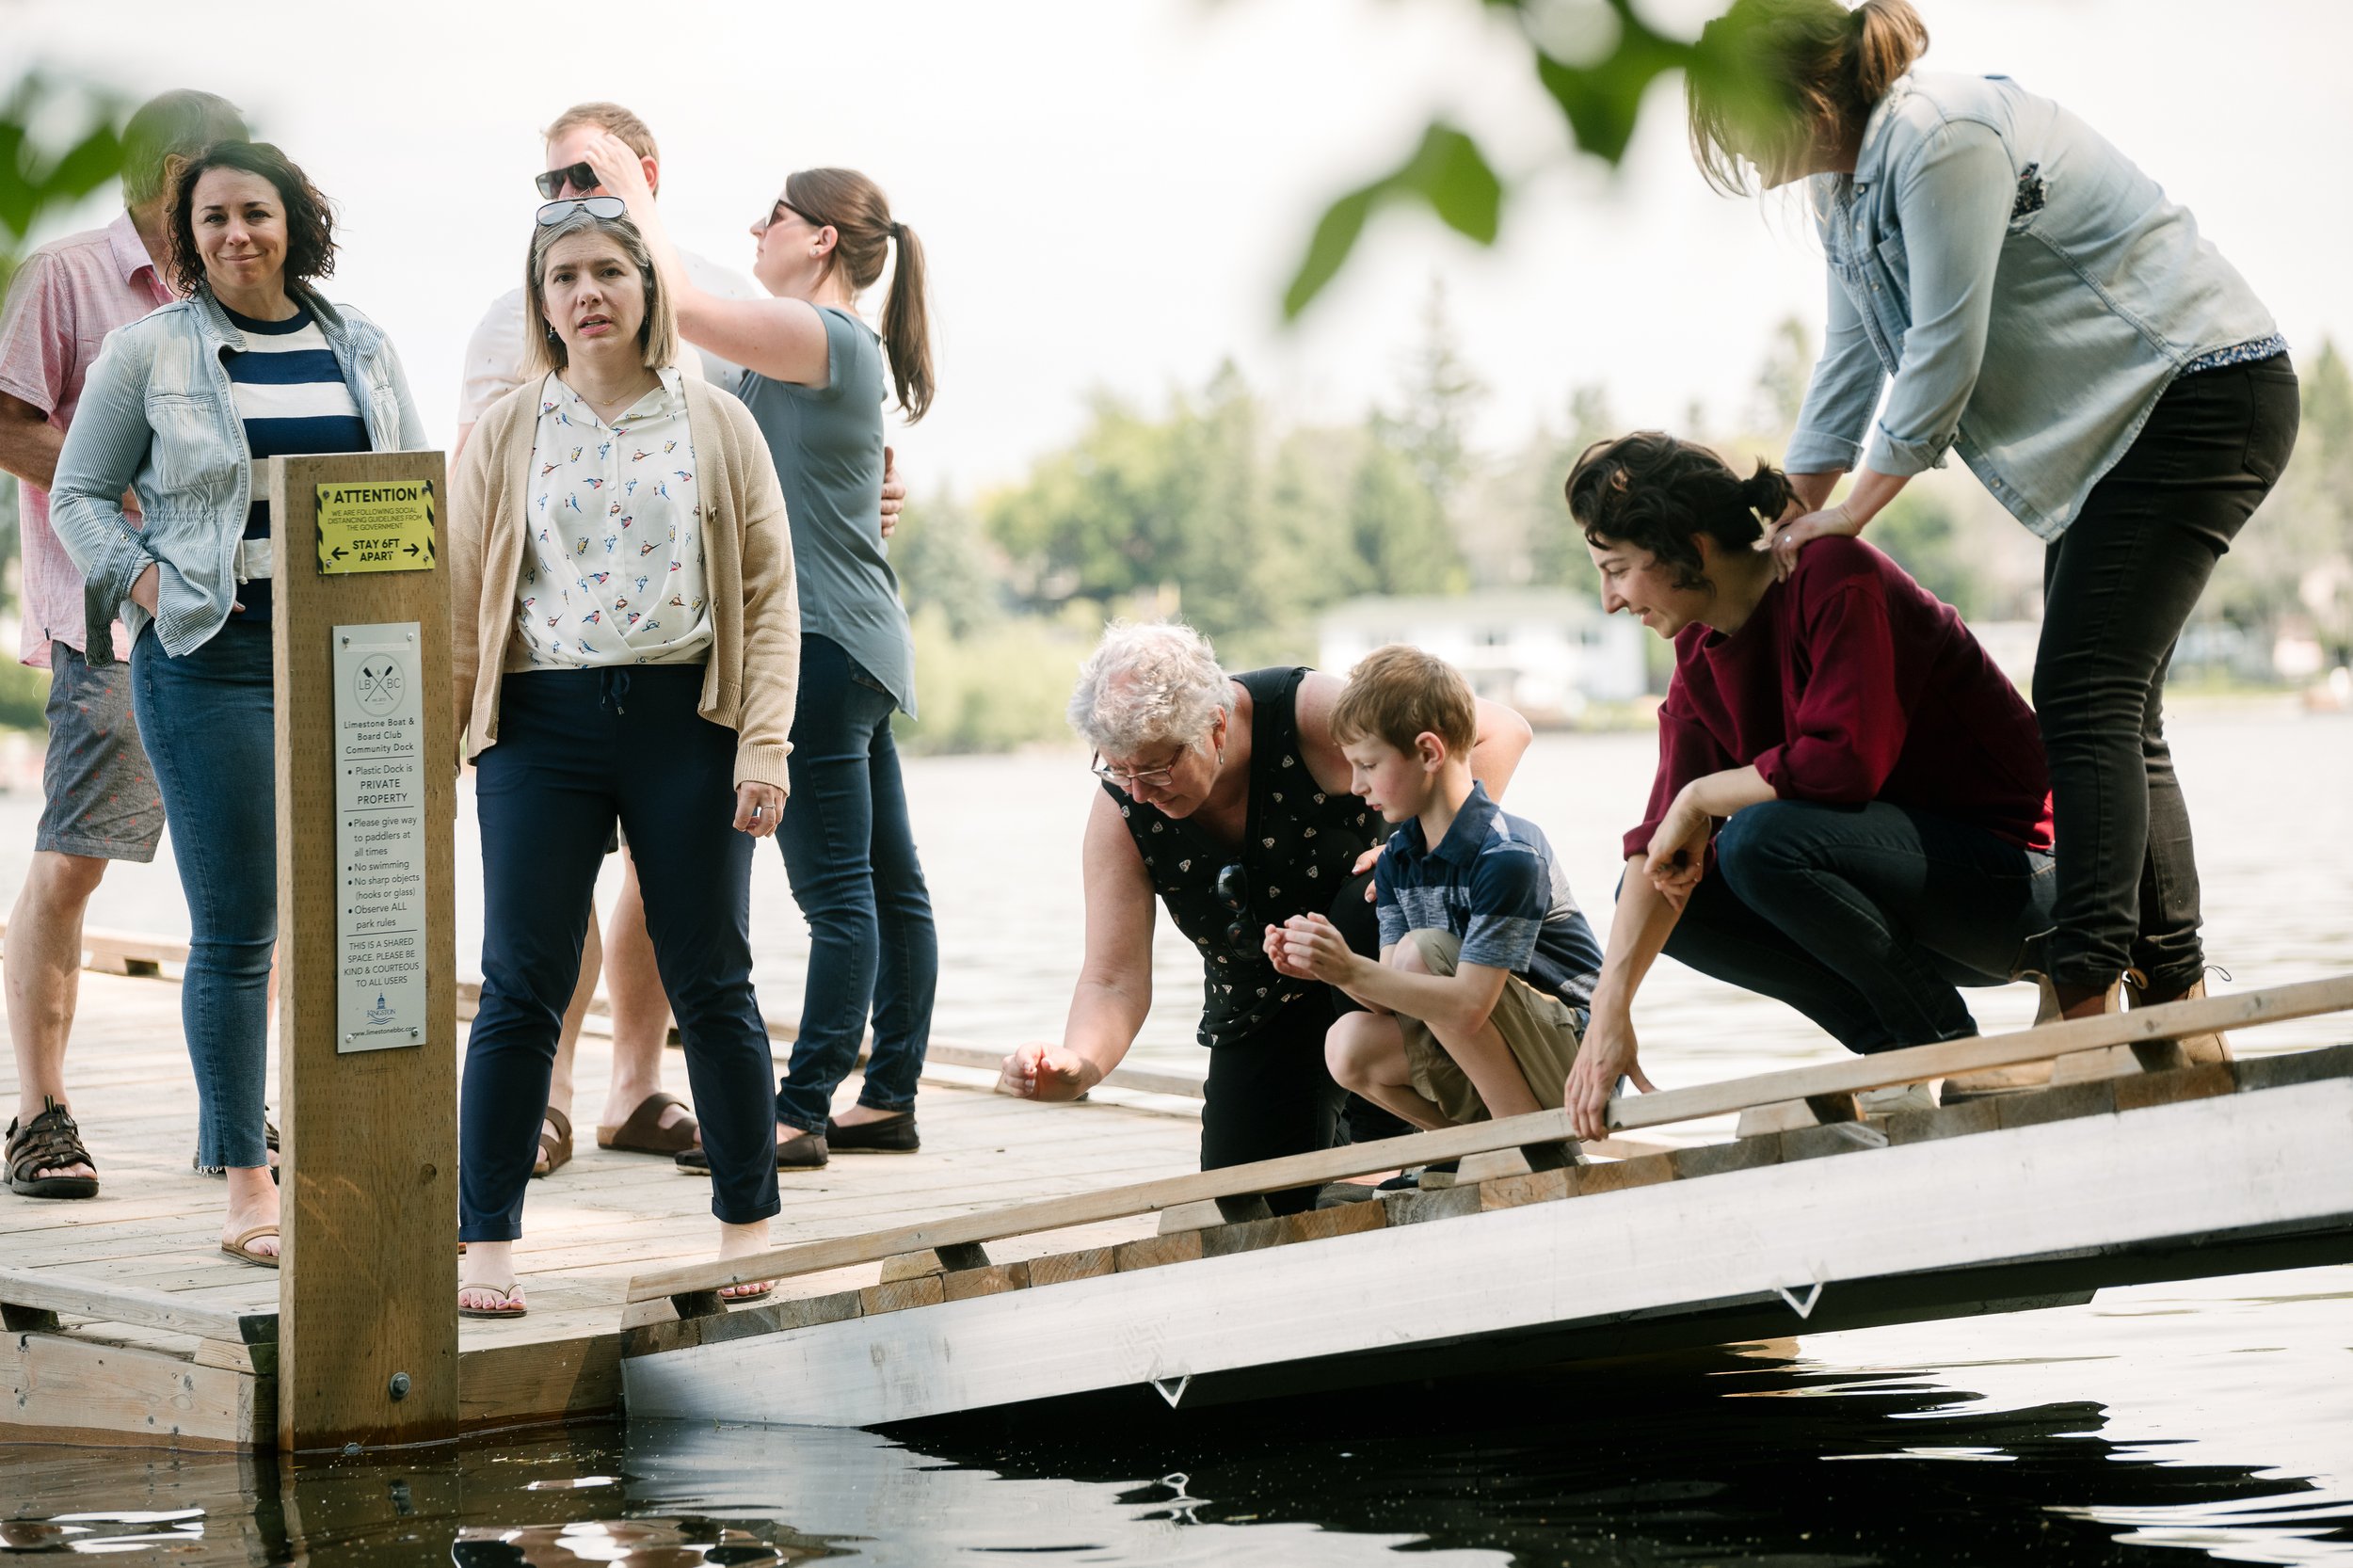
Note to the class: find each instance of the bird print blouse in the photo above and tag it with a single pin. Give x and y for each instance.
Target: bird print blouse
(614, 572)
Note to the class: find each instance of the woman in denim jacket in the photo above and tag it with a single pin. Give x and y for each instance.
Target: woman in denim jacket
(251, 364)
(2028, 297)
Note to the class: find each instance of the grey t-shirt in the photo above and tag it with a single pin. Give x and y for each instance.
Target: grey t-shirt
(827, 443)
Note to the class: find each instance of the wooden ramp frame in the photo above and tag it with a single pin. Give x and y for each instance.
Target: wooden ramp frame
(2149, 1031)
(2034, 1201)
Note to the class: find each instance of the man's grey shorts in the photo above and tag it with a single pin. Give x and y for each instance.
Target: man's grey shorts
(100, 791)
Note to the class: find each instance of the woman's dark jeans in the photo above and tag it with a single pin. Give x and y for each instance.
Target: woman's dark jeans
(207, 719)
(1865, 918)
(575, 751)
(849, 853)
(2117, 588)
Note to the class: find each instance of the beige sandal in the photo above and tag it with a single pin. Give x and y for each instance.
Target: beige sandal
(241, 1247)
(509, 1295)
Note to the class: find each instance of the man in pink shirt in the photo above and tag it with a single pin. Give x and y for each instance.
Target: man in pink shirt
(100, 802)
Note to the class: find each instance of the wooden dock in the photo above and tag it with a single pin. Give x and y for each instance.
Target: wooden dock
(192, 1367)
(1034, 1251)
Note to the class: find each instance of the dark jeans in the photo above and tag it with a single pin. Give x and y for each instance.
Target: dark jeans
(2118, 588)
(577, 749)
(1270, 1093)
(849, 852)
(208, 721)
(1865, 918)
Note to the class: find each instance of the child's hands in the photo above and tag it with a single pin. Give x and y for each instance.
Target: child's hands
(1310, 946)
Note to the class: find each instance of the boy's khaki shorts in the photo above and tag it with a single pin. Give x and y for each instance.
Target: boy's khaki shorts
(1539, 1027)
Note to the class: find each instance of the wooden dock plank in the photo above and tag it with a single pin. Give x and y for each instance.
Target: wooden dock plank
(154, 1227)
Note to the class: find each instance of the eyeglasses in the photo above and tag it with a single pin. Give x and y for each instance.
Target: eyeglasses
(595, 206)
(580, 175)
(1150, 778)
(1233, 890)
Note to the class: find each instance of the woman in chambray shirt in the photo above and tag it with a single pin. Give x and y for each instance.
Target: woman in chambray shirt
(252, 363)
(2026, 296)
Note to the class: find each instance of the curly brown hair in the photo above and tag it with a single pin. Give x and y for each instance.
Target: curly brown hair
(310, 219)
(1659, 494)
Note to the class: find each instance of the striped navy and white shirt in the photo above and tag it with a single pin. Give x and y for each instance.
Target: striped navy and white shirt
(292, 399)
(1495, 882)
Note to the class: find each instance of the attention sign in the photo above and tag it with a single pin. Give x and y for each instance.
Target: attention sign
(379, 527)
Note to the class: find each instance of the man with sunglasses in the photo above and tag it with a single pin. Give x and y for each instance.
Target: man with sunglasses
(640, 1117)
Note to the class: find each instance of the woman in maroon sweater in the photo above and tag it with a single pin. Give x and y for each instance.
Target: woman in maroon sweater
(1851, 812)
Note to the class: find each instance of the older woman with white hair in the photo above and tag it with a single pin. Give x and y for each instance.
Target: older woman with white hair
(1225, 797)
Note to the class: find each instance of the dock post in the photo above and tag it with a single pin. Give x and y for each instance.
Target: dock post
(367, 1326)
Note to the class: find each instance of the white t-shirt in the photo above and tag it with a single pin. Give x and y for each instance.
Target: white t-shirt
(495, 355)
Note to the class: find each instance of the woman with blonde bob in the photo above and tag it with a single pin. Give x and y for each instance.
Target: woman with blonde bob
(626, 647)
(2028, 297)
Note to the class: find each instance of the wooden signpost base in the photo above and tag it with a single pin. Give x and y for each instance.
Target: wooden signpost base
(367, 1336)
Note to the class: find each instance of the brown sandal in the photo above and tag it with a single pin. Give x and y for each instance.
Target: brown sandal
(49, 1142)
(644, 1133)
(554, 1152)
(241, 1247)
(509, 1295)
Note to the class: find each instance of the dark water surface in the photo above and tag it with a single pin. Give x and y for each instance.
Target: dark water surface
(2166, 1424)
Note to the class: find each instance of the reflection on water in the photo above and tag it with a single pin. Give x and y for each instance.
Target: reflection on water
(2160, 1425)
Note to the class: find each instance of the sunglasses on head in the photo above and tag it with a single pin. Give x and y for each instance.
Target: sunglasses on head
(595, 206)
(552, 183)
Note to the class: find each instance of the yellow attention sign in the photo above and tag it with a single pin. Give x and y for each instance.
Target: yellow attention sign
(385, 526)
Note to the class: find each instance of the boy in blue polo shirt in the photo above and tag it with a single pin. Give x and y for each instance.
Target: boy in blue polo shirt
(1487, 967)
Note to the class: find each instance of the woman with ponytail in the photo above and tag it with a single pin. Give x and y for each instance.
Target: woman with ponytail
(1850, 814)
(2040, 307)
(815, 379)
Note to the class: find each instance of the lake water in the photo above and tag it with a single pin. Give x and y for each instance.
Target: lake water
(2162, 1424)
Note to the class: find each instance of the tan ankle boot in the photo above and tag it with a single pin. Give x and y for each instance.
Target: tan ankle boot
(2213, 1047)
(2084, 1065)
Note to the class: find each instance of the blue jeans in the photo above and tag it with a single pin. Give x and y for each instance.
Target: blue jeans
(577, 749)
(1866, 917)
(208, 720)
(849, 852)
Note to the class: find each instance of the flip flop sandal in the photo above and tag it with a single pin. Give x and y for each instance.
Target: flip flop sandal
(750, 1291)
(644, 1133)
(510, 1294)
(554, 1152)
(241, 1247)
(47, 1142)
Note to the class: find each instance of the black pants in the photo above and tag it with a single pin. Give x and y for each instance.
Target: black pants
(1865, 918)
(2118, 588)
(576, 748)
(1270, 1094)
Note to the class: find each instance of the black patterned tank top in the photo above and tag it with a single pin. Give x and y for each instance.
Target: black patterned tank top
(1299, 847)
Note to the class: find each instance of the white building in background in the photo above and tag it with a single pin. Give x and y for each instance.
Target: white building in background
(1545, 652)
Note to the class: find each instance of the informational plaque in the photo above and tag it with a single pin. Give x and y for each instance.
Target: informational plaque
(379, 836)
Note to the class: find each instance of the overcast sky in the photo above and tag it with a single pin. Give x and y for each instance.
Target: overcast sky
(1114, 192)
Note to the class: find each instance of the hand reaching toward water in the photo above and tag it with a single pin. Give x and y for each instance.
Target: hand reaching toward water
(1041, 1071)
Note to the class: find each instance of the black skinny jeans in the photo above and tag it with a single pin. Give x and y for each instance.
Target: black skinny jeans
(1865, 918)
(2118, 588)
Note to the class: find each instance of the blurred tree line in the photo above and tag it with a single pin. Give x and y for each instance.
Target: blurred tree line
(1216, 509)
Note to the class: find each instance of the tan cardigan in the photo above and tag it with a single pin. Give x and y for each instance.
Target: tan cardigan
(755, 660)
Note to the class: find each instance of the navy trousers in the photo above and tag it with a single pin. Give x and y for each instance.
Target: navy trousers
(576, 750)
